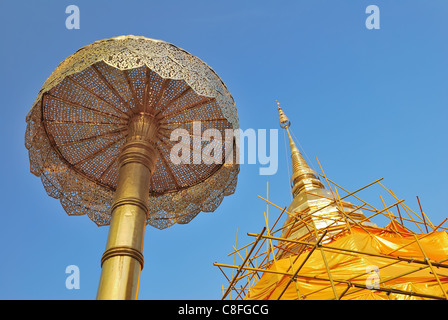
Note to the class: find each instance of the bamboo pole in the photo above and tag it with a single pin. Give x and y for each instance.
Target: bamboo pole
(329, 273)
(399, 214)
(234, 257)
(295, 282)
(423, 215)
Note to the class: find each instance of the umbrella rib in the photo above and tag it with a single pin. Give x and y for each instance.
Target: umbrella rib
(189, 107)
(131, 87)
(93, 155)
(178, 97)
(161, 92)
(108, 168)
(196, 174)
(75, 122)
(191, 148)
(111, 87)
(105, 134)
(190, 166)
(199, 120)
(73, 104)
(168, 169)
(164, 135)
(151, 183)
(96, 95)
(146, 94)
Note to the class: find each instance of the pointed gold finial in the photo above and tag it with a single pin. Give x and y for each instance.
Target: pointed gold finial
(303, 177)
(284, 121)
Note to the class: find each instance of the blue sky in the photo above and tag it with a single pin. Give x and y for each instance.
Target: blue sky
(367, 103)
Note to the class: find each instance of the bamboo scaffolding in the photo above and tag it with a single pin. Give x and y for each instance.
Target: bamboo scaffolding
(341, 209)
(251, 243)
(389, 215)
(327, 247)
(329, 204)
(360, 286)
(317, 244)
(242, 265)
(428, 261)
(341, 288)
(381, 211)
(403, 274)
(250, 260)
(358, 252)
(353, 193)
(353, 278)
(345, 251)
(423, 236)
(404, 207)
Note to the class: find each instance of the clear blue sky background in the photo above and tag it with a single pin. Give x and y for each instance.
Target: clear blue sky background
(367, 103)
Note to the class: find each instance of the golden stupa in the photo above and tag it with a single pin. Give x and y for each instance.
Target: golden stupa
(329, 249)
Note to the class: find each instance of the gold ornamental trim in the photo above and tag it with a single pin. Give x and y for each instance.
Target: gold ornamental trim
(123, 251)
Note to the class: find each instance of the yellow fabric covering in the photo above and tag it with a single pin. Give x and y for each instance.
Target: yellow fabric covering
(357, 268)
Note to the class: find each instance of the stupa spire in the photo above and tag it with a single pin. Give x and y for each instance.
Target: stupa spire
(303, 177)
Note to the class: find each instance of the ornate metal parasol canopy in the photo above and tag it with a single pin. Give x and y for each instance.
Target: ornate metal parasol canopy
(79, 123)
(100, 137)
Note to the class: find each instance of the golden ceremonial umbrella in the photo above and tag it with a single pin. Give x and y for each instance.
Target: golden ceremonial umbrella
(99, 137)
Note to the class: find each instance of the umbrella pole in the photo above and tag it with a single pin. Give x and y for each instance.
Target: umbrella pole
(122, 260)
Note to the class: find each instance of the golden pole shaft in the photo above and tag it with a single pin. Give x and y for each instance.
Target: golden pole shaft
(122, 260)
